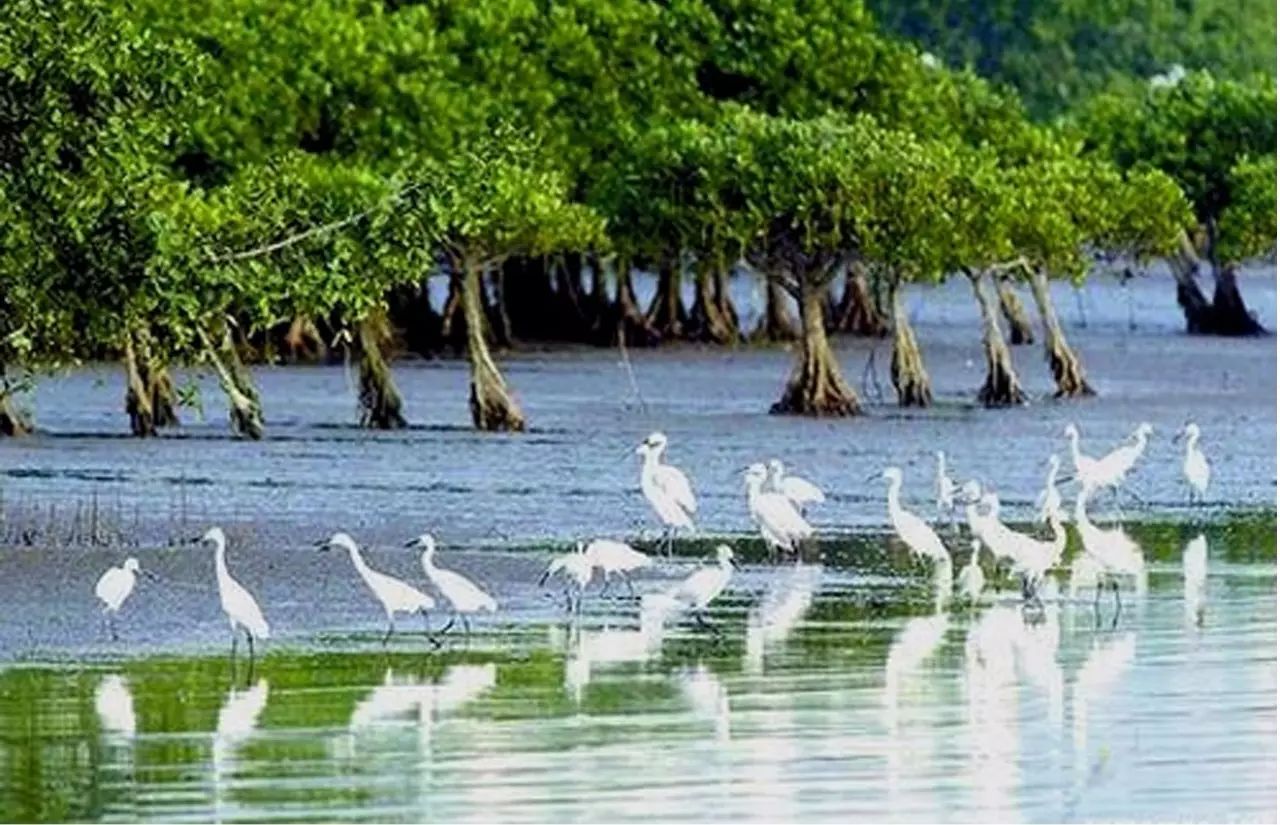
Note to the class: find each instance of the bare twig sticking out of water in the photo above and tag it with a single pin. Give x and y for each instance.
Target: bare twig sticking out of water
(626, 364)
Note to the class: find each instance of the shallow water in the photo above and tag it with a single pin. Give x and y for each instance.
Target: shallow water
(575, 473)
(833, 694)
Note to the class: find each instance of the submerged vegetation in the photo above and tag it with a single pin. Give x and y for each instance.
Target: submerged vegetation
(225, 182)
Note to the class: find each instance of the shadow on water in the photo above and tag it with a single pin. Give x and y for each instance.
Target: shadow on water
(832, 692)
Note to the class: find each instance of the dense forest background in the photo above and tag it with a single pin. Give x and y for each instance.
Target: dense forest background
(239, 180)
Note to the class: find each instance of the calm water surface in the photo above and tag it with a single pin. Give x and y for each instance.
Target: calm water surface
(834, 694)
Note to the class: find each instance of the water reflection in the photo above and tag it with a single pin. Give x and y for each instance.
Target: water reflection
(786, 599)
(1111, 655)
(708, 697)
(237, 720)
(113, 702)
(594, 647)
(991, 720)
(911, 698)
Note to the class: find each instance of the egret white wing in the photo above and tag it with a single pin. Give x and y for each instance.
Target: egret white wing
(241, 607)
(113, 587)
(802, 491)
(462, 593)
(675, 484)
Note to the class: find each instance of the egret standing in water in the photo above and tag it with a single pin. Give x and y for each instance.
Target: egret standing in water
(1195, 467)
(911, 529)
(1111, 469)
(779, 521)
(616, 558)
(1050, 500)
(1114, 553)
(241, 609)
(462, 594)
(666, 488)
(944, 489)
(704, 585)
(577, 568)
(114, 587)
(799, 491)
(395, 595)
(971, 580)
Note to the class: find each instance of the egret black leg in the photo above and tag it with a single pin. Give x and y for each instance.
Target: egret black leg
(449, 624)
(426, 623)
(466, 626)
(235, 640)
(249, 636)
(1115, 589)
(631, 588)
(391, 627)
(111, 626)
(608, 582)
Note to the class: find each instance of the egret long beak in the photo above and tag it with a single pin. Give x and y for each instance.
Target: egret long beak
(322, 544)
(543, 578)
(873, 477)
(411, 543)
(148, 574)
(735, 564)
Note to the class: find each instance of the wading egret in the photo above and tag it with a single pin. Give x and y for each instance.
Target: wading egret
(1195, 467)
(577, 569)
(911, 529)
(1195, 568)
(666, 488)
(944, 489)
(241, 609)
(1114, 552)
(616, 558)
(800, 491)
(703, 586)
(114, 587)
(1086, 467)
(1050, 500)
(1111, 469)
(1036, 558)
(462, 594)
(779, 521)
(971, 580)
(395, 595)
(972, 492)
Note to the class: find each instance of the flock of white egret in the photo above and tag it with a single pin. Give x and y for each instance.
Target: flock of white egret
(776, 502)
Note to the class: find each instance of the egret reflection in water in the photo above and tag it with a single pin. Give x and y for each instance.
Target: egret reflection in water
(1110, 657)
(786, 599)
(237, 720)
(113, 702)
(592, 647)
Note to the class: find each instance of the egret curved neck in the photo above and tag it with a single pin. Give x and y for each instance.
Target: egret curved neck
(357, 558)
(220, 560)
(895, 486)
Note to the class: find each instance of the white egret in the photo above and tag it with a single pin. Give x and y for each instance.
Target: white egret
(1195, 467)
(1195, 569)
(1115, 553)
(239, 605)
(1050, 500)
(779, 521)
(462, 594)
(944, 489)
(577, 568)
(972, 492)
(910, 528)
(1111, 469)
(800, 491)
(1086, 467)
(666, 488)
(114, 587)
(616, 558)
(395, 595)
(1036, 558)
(702, 586)
(971, 580)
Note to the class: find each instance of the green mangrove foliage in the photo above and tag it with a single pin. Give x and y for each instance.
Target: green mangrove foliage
(213, 183)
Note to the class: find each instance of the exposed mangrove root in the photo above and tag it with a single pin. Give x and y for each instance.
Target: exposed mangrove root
(453, 320)
(907, 368)
(666, 313)
(137, 396)
(1014, 314)
(856, 312)
(1195, 307)
(244, 408)
(1001, 389)
(816, 386)
(1068, 371)
(164, 397)
(1230, 315)
(706, 322)
(492, 407)
(13, 422)
(775, 324)
(629, 321)
(380, 402)
(303, 342)
(725, 304)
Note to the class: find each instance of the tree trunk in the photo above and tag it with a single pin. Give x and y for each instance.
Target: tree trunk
(13, 422)
(776, 324)
(453, 321)
(1014, 315)
(164, 398)
(1068, 372)
(137, 396)
(1230, 315)
(1001, 388)
(725, 304)
(706, 323)
(245, 410)
(1184, 265)
(492, 407)
(633, 326)
(856, 311)
(816, 386)
(907, 369)
(667, 313)
(380, 401)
